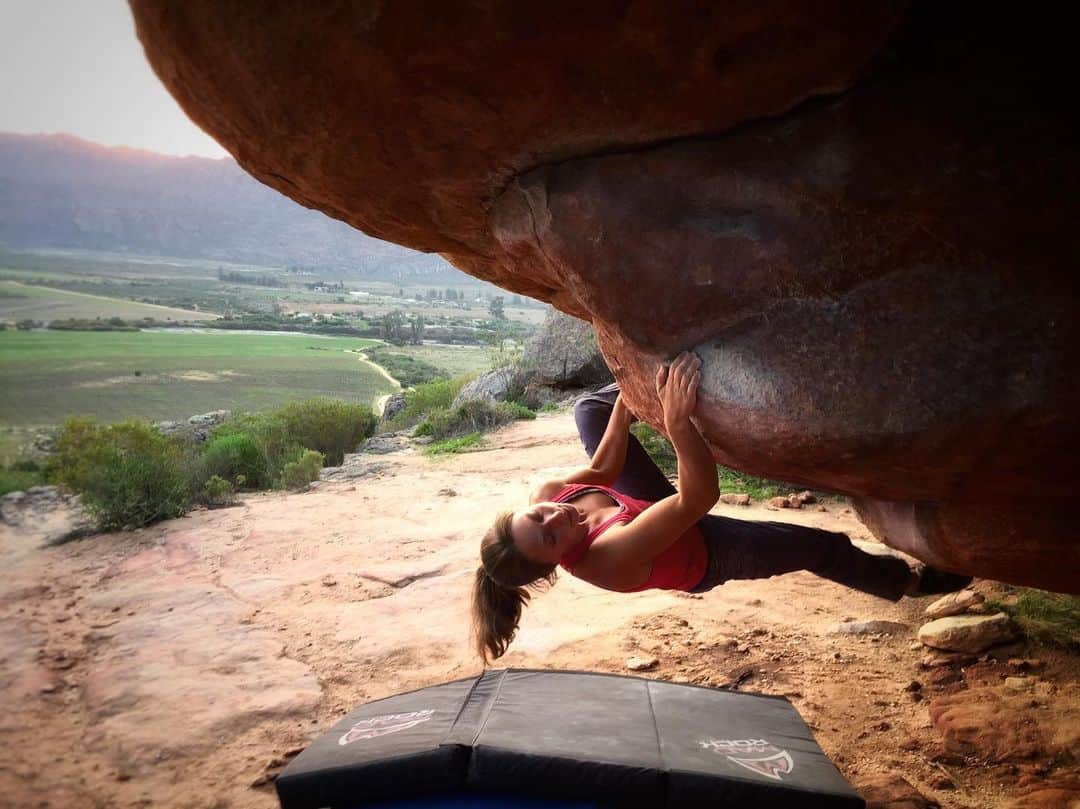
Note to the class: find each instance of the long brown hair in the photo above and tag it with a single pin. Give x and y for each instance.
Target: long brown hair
(501, 589)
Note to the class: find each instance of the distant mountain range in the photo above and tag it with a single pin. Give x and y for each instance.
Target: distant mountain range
(58, 191)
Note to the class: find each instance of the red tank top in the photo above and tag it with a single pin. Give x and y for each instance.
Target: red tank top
(680, 567)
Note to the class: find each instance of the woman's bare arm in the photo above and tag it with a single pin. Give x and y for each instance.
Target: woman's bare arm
(659, 526)
(606, 463)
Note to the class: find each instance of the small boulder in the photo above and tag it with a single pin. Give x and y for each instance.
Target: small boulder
(968, 633)
(783, 502)
(642, 663)
(953, 604)
(733, 499)
(394, 405)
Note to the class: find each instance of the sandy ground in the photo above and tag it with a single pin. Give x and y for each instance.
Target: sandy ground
(179, 665)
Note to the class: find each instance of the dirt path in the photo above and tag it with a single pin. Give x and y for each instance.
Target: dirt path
(380, 401)
(178, 665)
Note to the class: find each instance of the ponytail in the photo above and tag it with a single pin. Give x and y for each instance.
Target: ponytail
(500, 589)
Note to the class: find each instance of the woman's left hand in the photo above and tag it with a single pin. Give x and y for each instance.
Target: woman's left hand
(677, 387)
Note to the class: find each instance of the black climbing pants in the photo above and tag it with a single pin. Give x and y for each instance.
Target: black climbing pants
(744, 549)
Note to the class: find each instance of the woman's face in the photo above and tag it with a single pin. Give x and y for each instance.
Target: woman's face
(544, 532)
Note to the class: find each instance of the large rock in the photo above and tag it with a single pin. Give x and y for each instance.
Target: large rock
(564, 353)
(491, 386)
(860, 216)
(968, 633)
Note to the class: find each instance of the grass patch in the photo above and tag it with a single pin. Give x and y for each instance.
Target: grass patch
(19, 480)
(449, 446)
(657, 446)
(731, 480)
(1052, 618)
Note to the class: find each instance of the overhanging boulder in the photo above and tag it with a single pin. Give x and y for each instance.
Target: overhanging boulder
(861, 216)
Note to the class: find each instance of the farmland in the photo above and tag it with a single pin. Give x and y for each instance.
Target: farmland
(47, 376)
(31, 302)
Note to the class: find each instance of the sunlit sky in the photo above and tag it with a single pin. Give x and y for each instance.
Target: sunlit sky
(76, 66)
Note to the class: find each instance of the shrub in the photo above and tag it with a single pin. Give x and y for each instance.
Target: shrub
(217, 492)
(298, 474)
(472, 416)
(128, 474)
(407, 370)
(235, 457)
(427, 398)
(518, 410)
(330, 426)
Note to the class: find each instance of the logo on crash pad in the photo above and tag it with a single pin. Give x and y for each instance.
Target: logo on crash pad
(757, 755)
(384, 725)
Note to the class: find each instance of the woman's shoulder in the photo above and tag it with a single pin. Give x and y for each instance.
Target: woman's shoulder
(547, 490)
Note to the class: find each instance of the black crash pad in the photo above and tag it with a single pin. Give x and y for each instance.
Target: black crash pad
(578, 738)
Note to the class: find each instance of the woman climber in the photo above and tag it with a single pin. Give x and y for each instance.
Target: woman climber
(621, 525)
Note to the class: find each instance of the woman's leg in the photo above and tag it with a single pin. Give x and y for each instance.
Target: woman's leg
(640, 477)
(741, 549)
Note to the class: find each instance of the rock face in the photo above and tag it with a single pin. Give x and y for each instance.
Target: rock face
(996, 723)
(862, 218)
(564, 353)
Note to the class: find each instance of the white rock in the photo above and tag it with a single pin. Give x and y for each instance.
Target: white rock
(642, 663)
(953, 604)
(968, 633)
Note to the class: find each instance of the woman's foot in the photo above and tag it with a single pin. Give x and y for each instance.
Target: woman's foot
(929, 581)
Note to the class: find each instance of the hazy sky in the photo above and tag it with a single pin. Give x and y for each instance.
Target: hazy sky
(76, 66)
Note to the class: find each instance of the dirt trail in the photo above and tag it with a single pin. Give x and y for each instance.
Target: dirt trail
(178, 665)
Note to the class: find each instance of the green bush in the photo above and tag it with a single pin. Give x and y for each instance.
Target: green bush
(519, 411)
(128, 474)
(330, 426)
(238, 458)
(300, 473)
(217, 492)
(427, 398)
(473, 416)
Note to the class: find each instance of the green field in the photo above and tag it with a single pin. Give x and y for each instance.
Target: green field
(453, 359)
(46, 376)
(30, 302)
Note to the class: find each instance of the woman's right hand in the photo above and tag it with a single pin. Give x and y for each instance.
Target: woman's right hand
(677, 386)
